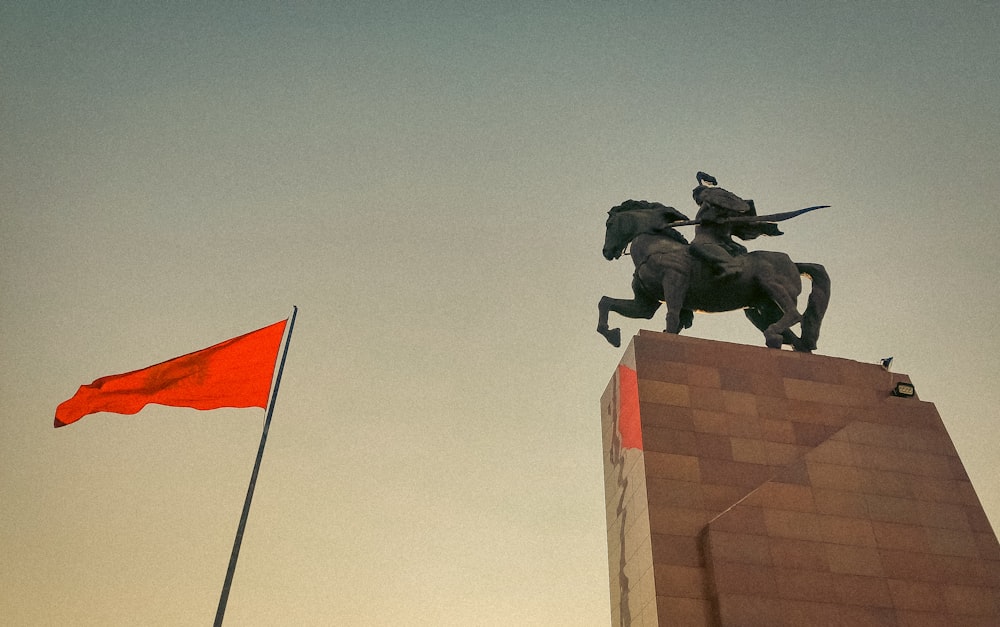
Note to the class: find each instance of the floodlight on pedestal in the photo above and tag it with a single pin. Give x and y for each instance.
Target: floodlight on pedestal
(904, 390)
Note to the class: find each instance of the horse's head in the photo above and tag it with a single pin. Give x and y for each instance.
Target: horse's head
(619, 230)
(633, 218)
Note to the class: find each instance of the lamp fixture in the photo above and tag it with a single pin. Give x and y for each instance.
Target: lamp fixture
(904, 390)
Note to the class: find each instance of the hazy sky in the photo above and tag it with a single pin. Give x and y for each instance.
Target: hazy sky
(428, 182)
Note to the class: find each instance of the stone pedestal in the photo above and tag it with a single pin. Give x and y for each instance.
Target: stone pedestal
(748, 486)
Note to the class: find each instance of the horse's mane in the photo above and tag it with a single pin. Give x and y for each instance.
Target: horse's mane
(669, 214)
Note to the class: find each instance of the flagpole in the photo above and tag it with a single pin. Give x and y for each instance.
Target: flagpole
(224, 598)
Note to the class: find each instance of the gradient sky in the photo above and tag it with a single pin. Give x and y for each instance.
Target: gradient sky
(428, 183)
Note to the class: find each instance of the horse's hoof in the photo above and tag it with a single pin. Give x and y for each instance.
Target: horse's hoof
(613, 336)
(773, 341)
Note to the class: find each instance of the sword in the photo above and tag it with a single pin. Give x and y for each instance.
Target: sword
(772, 217)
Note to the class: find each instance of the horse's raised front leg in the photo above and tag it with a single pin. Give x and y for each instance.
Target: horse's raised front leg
(641, 306)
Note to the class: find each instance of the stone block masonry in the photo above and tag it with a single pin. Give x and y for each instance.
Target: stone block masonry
(747, 486)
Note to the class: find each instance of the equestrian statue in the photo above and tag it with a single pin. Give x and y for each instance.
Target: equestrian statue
(713, 273)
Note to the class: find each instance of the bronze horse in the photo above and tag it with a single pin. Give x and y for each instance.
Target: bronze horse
(766, 288)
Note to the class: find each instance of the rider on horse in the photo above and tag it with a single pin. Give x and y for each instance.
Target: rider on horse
(713, 241)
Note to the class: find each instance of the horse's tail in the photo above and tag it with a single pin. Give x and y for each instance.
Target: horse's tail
(819, 298)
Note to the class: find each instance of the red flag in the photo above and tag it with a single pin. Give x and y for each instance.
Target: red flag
(629, 425)
(234, 373)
